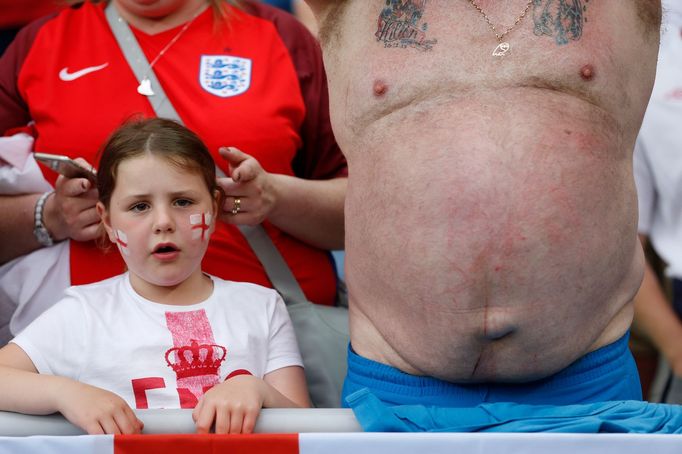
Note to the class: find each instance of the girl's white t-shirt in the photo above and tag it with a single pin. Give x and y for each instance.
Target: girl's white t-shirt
(160, 356)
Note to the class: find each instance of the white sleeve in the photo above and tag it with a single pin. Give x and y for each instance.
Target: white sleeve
(282, 346)
(646, 187)
(56, 340)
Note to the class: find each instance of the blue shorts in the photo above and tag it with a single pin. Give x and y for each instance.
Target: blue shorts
(606, 374)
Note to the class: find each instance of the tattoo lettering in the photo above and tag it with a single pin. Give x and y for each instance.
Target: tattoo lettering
(400, 25)
(561, 19)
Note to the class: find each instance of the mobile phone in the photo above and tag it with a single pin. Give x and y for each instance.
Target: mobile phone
(66, 166)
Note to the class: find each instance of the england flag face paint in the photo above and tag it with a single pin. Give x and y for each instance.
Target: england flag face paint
(201, 224)
(122, 242)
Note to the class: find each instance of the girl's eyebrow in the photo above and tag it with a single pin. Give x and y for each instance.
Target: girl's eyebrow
(135, 196)
(174, 194)
(184, 192)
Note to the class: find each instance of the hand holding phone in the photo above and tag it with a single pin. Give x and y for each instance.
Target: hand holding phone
(66, 166)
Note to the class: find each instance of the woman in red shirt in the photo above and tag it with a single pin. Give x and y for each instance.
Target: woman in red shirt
(247, 77)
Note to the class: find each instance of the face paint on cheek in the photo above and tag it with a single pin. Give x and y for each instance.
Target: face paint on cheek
(200, 223)
(122, 242)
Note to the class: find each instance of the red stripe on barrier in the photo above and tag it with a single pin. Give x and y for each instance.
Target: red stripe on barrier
(207, 444)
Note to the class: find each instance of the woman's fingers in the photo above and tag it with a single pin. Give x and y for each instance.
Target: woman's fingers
(70, 212)
(247, 171)
(243, 167)
(72, 187)
(236, 205)
(89, 216)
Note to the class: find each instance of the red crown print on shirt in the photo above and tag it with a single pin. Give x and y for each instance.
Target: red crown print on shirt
(196, 359)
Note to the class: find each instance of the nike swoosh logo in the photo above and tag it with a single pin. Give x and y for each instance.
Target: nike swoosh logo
(66, 76)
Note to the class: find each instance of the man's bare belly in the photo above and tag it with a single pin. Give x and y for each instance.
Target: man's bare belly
(491, 213)
(478, 251)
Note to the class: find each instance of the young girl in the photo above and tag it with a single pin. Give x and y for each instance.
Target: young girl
(164, 334)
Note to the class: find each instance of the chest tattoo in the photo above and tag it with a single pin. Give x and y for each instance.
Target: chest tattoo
(562, 20)
(401, 25)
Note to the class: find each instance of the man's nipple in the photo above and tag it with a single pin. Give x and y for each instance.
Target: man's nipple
(380, 88)
(587, 72)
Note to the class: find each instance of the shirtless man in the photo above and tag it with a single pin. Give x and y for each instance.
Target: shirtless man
(491, 213)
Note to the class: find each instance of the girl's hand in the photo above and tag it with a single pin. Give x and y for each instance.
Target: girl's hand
(70, 212)
(233, 405)
(97, 411)
(250, 195)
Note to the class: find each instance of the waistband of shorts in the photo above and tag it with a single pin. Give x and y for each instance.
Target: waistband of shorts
(593, 365)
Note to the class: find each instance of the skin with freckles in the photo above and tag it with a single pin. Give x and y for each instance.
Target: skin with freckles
(491, 219)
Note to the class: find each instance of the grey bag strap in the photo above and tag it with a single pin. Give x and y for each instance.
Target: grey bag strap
(138, 63)
(275, 267)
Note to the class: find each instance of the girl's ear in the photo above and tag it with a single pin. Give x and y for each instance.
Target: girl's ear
(106, 221)
(215, 207)
(217, 202)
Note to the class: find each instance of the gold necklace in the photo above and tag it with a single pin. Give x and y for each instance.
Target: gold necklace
(503, 46)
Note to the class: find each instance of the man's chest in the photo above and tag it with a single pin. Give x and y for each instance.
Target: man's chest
(384, 55)
(464, 32)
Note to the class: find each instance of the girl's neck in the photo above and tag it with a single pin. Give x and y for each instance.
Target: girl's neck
(196, 288)
(154, 25)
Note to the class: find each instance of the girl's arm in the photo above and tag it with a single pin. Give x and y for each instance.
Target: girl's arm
(233, 406)
(290, 383)
(92, 409)
(24, 390)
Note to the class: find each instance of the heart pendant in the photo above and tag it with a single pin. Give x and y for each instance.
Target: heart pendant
(145, 88)
(501, 50)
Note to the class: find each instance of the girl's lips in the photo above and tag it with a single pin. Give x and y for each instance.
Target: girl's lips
(165, 247)
(166, 251)
(166, 256)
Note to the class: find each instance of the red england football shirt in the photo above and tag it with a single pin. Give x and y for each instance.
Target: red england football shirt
(255, 82)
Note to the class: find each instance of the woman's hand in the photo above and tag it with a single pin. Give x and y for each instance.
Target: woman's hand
(96, 410)
(250, 195)
(70, 212)
(309, 210)
(233, 405)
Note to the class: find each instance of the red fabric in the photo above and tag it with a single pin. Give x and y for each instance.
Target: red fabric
(207, 444)
(237, 373)
(83, 271)
(282, 119)
(15, 13)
